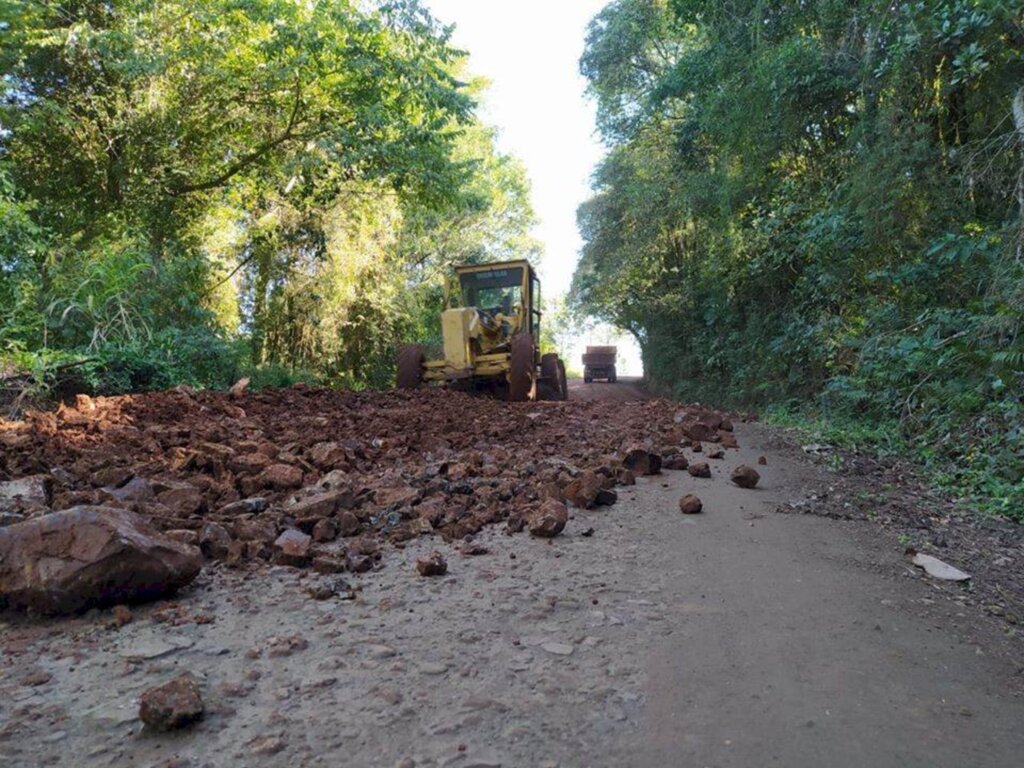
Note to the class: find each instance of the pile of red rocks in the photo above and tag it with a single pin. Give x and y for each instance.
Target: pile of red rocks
(319, 478)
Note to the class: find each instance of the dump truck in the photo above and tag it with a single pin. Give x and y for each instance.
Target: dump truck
(599, 363)
(489, 331)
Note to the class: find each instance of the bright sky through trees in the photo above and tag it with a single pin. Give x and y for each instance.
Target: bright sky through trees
(530, 50)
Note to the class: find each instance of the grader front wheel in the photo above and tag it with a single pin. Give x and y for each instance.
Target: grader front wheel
(522, 375)
(410, 366)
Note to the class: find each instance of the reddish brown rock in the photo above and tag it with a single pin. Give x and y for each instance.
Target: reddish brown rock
(325, 530)
(25, 496)
(762, 461)
(328, 455)
(583, 490)
(249, 463)
(745, 477)
(238, 389)
(329, 564)
(348, 524)
(136, 489)
(397, 495)
(255, 529)
(281, 477)
(235, 554)
(121, 615)
(549, 520)
(214, 541)
(89, 556)
(626, 477)
(293, 547)
(183, 499)
(357, 562)
(433, 564)
(172, 705)
(184, 536)
(690, 505)
(321, 504)
(700, 469)
(676, 462)
(642, 462)
(717, 453)
(698, 431)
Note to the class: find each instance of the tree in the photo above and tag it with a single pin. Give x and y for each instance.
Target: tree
(816, 202)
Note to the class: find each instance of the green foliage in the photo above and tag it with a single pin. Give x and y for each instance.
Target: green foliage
(192, 190)
(817, 203)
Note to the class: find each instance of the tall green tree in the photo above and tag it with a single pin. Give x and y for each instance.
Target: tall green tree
(818, 202)
(265, 182)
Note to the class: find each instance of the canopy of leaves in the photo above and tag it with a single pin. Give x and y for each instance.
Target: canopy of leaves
(247, 183)
(820, 202)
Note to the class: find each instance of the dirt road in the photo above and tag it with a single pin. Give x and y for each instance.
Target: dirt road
(627, 388)
(639, 637)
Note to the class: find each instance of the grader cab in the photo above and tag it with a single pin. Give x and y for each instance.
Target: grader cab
(490, 328)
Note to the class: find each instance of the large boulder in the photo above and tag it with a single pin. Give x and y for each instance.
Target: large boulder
(89, 556)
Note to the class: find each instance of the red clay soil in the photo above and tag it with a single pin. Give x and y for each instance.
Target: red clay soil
(318, 477)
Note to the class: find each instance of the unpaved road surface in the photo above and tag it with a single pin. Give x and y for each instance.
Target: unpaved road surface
(639, 637)
(625, 389)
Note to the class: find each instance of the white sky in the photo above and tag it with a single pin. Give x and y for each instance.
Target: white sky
(529, 51)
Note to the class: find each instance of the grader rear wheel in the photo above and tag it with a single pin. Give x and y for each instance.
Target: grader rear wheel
(410, 366)
(522, 375)
(552, 372)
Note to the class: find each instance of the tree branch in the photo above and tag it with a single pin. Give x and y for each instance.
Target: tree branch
(246, 160)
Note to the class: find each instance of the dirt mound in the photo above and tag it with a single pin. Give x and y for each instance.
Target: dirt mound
(319, 477)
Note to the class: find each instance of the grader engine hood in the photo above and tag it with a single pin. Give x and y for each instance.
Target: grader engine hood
(469, 332)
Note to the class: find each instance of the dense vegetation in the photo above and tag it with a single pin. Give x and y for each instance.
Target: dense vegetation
(191, 190)
(821, 202)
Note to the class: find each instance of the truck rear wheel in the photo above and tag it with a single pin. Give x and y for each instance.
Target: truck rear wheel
(410, 366)
(522, 375)
(612, 376)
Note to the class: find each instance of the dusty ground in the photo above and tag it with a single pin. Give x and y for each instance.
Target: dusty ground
(625, 389)
(639, 637)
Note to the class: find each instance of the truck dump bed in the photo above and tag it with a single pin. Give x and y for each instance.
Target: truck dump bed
(600, 356)
(599, 363)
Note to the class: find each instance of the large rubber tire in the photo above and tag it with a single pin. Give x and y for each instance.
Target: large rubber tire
(522, 374)
(552, 374)
(613, 377)
(549, 367)
(410, 366)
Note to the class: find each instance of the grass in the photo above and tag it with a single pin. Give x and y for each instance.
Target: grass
(972, 482)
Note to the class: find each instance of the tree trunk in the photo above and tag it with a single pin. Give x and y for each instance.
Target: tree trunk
(1018, 121)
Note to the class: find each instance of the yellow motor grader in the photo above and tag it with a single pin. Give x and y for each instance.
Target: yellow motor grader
(490, 327)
